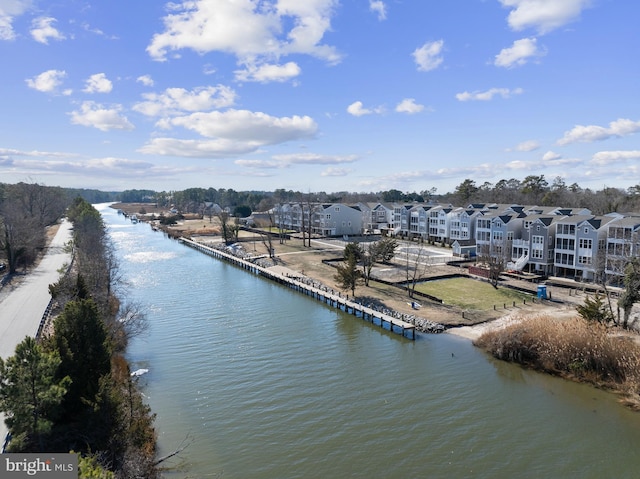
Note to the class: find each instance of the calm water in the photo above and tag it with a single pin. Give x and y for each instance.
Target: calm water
(267, 383)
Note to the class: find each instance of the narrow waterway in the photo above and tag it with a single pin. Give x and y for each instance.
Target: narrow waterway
(267, 383)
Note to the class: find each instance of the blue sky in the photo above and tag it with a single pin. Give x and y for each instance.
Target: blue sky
(319, 95)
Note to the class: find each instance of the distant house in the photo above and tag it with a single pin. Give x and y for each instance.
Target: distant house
(337, 219)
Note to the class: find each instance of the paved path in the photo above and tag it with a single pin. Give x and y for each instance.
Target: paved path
(22, 308)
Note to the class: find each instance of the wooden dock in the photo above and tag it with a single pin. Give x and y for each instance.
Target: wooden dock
(325, 295)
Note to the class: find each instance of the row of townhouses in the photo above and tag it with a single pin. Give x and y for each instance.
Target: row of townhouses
(565, 242)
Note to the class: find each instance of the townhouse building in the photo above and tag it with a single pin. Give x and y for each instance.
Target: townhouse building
(379, 219)
(565, 242)
(580, 246)
(623, 243)
(439, 223)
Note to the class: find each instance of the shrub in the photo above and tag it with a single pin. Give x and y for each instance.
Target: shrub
(573, 348)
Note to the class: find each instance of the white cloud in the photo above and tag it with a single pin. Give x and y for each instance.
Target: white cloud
(543, 15)
(604, 158)
(244, 125)
(97, 116)
(489, 94)
(314, 159)
(146, 80)
(357, 109)
(551, 156)
(268, 72)
(98, 83)
(286, 161)
(428, 56)
(262, 164)
(331, 171)
(178, 100)
(231, 133)
(254, 32)
(518, 54)
(42, 30)
(529, 145)
(409, 105)
(47, 82)
(378, 7)
(590, 133)
(9, 10)
(218, 148)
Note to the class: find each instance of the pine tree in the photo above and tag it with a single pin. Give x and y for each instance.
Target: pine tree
(348, 275)
(31, 393)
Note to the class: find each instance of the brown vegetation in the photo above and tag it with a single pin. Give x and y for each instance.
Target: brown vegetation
(571, 348)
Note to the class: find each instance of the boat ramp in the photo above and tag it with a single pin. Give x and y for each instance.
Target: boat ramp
(303, 285)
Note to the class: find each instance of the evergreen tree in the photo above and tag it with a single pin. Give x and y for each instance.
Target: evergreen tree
(595, 310)
(348, 275)
(81, 339)
(31, 391)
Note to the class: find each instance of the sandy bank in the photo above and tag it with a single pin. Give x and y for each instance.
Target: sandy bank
(475, 331)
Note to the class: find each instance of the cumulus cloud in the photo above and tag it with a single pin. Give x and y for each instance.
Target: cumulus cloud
(47, 82)
(589, 133)
(244, 125)
(42, 30)
(98, 83)
(9, 10)
(529, 145)
(180, 100)
(604, 158)
(543, 15)
(409, 105)
(357, 109)
(379, 8)
(518, 54)
(551, 156)
(103, 118)
(146, 80)
(218, 148)
(429, 56)
(231, 133)
(268, 72)
(489, 94)
(253, 32)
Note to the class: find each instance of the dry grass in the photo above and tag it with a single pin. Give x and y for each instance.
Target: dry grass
(571, 348)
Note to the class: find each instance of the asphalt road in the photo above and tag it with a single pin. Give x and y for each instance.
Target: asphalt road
(21, 310)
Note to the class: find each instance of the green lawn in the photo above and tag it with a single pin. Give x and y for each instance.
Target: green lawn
(470, 293)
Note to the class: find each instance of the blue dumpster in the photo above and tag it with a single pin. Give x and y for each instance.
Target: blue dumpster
(542, 291)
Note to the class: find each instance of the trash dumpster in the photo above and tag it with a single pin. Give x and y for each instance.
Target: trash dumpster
(542, 291)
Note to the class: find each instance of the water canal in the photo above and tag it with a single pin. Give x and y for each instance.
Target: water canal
(267, 383)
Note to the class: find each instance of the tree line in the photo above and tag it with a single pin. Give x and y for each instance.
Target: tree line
(533, 189)
(72, 390)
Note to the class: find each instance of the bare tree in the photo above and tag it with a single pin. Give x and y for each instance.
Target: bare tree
(267, 239)
(416, 266)
(22, 233)
(230, 227)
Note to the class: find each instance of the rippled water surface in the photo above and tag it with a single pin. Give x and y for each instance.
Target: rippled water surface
(267, 383)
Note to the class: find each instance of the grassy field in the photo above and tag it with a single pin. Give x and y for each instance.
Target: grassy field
(469, 293)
